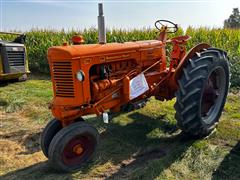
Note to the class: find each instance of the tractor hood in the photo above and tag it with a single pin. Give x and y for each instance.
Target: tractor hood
(8, 43)
(79, 51)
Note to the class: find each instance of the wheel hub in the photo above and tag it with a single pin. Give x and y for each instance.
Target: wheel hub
(78, 149)
(213, 93)
(210, 94)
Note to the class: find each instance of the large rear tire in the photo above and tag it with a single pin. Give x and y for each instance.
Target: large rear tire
(73, 146)
(203, 88)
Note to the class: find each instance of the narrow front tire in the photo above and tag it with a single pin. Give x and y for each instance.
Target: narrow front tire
(73, 146)
(48, 133)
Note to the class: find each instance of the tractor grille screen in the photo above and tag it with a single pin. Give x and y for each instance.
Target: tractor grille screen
(63, 78)
(16, 58)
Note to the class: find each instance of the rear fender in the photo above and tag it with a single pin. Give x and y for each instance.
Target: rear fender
(190, 54)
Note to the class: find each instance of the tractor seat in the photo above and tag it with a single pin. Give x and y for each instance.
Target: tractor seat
(180, 39)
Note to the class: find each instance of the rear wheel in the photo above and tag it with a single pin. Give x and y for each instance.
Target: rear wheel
(73, 146)
(203, 88)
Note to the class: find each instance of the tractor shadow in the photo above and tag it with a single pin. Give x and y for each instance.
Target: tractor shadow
(37, 171)
(7, 82)
(128, 147)
(230, 166)
(134, 145)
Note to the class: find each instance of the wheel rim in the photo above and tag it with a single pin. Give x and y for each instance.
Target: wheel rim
(213, 95)
(78, 150)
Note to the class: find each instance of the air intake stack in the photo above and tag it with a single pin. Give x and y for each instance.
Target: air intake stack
(101, 25)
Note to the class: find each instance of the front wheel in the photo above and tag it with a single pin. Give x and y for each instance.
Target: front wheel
(23, 78)
(48, 133)
(73, 146)
(203, 88)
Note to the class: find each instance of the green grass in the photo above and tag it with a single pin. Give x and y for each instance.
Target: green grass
(143, 144)
(30, 97)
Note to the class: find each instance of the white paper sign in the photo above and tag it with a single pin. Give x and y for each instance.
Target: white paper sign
(138, 86)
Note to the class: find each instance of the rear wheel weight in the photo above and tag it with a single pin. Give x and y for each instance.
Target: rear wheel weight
(73, 146)
(201, 98)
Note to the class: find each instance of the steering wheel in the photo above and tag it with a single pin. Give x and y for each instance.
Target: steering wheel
(172, 27)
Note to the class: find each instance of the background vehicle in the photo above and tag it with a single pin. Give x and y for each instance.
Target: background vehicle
(95, 78)
(13, 58)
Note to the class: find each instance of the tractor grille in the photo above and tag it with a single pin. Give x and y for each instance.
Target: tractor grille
(63, 78)
(16, 58)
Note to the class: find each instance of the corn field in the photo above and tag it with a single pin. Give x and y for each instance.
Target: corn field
(38, 41)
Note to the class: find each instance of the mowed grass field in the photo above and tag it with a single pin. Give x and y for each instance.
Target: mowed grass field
(142, 144)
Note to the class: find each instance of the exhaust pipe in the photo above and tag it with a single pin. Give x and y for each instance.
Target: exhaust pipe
(101, 25)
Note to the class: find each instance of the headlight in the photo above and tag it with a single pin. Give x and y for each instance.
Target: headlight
(80, 75)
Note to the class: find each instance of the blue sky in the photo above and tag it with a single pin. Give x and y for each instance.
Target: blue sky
(24, 15)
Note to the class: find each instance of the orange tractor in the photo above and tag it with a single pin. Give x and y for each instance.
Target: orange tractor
(112, 77)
